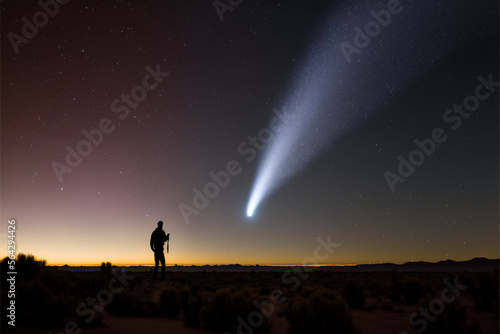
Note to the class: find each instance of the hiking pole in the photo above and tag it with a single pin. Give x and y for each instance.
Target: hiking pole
(168, 241)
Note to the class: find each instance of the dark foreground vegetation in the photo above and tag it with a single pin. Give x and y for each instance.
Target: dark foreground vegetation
(310, 301)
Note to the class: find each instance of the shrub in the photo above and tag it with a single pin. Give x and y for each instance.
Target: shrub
(306, 292)
(413, 290)
(191, 305)
(222, 309)
(218, 311)
(377, 290)
(87, 284)
(44, 296)
(267, 318)
(486, 295)
(397, 291)
(194, 289)
(191, 311)
(370, 306)
(450, 321)
(27, 266)
(470, 281)
(396, 294)
(55, 280)
(354, 293)
(170, 302)
(129, 303)
(386, 306)
(321, 312)
(38, 305)
(106, 268)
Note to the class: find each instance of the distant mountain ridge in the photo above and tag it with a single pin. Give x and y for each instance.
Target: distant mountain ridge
(476, 264)
(479, 264)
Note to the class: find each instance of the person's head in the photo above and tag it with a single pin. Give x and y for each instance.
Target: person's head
(160, 224)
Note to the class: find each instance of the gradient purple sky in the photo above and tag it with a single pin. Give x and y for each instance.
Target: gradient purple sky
(226, 77)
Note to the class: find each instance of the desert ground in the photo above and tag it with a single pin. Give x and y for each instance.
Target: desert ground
(280, 302)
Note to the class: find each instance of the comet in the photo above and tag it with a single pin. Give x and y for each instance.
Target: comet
(361, 55)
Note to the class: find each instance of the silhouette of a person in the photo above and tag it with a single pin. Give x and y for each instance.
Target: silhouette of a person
(158, 238)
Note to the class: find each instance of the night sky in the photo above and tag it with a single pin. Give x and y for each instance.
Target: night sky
(179, 92)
